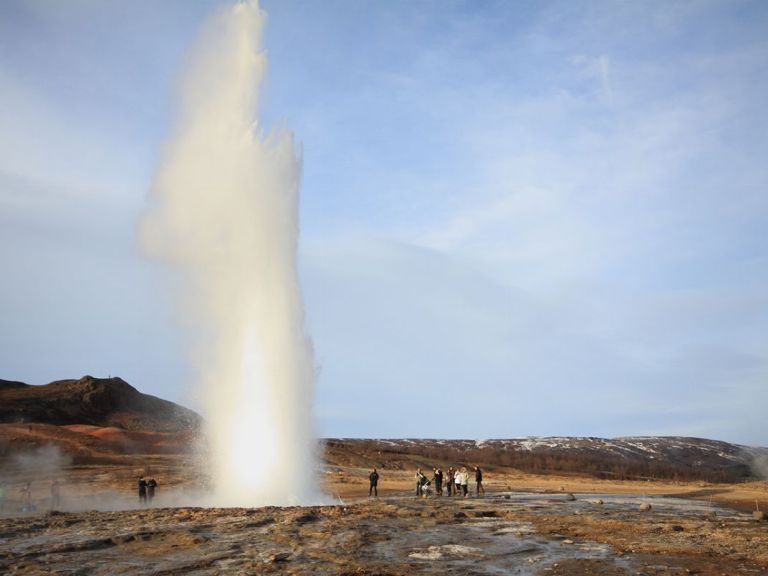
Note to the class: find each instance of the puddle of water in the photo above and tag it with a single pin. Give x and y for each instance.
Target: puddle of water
(614, 502)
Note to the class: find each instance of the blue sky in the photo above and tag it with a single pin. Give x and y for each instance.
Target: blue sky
(517, 218)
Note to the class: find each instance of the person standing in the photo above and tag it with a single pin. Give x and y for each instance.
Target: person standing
(26, 497)
(374, 479)
(419, 482)
(142, 490)
(464, 482)
(449, 480)
(55, 494)
(479, 481)
(151, 485)
(457, 481)
(438, 481)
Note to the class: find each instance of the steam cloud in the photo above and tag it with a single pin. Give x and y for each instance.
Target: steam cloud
(43, 462)
(223, 214)
(758, 462)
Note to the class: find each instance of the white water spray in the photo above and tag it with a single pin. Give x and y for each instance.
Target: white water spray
(223, 212)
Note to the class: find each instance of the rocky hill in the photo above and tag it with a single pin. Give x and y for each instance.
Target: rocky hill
(92, 418)
(103, 402)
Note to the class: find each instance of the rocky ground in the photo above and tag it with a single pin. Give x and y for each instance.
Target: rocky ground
(97, 436)
(533, 533)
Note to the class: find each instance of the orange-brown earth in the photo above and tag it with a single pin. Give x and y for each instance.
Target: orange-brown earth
(540, 534)
(743, 496)
(525, 524)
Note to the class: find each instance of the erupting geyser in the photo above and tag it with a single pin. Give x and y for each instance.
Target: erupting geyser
(223, 213)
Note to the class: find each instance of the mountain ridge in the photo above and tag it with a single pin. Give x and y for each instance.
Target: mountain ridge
(634, 457)
(110, 415)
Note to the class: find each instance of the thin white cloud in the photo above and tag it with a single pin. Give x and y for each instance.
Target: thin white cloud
(596, 70)
(41, 144)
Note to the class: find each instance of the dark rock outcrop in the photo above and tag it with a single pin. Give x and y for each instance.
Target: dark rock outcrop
(106, 402)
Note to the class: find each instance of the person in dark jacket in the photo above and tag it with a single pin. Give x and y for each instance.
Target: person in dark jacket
(142, 490)
(449, 480)
(479, 481)
(420, 480)
(374, 479)
(438, 482)
(151, 485)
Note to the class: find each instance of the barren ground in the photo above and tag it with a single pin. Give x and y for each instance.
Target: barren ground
(524, 525)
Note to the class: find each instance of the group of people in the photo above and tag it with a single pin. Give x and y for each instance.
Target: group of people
(456, 482)
(146, 490)
(25, 496)
(146, 494)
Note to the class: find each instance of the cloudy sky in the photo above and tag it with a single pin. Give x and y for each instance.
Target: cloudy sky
(517, 218)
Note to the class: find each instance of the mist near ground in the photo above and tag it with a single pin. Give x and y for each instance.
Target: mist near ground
(47, 461)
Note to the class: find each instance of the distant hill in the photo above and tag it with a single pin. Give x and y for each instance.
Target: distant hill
(103, 402)
(95, 419)
(644, 458)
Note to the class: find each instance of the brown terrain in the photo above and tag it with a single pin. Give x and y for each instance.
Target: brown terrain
(557, 506)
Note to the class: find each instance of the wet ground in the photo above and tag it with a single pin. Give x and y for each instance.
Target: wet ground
(512, 533)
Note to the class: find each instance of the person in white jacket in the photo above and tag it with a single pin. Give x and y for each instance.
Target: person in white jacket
(457, 482)
(464, 481)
